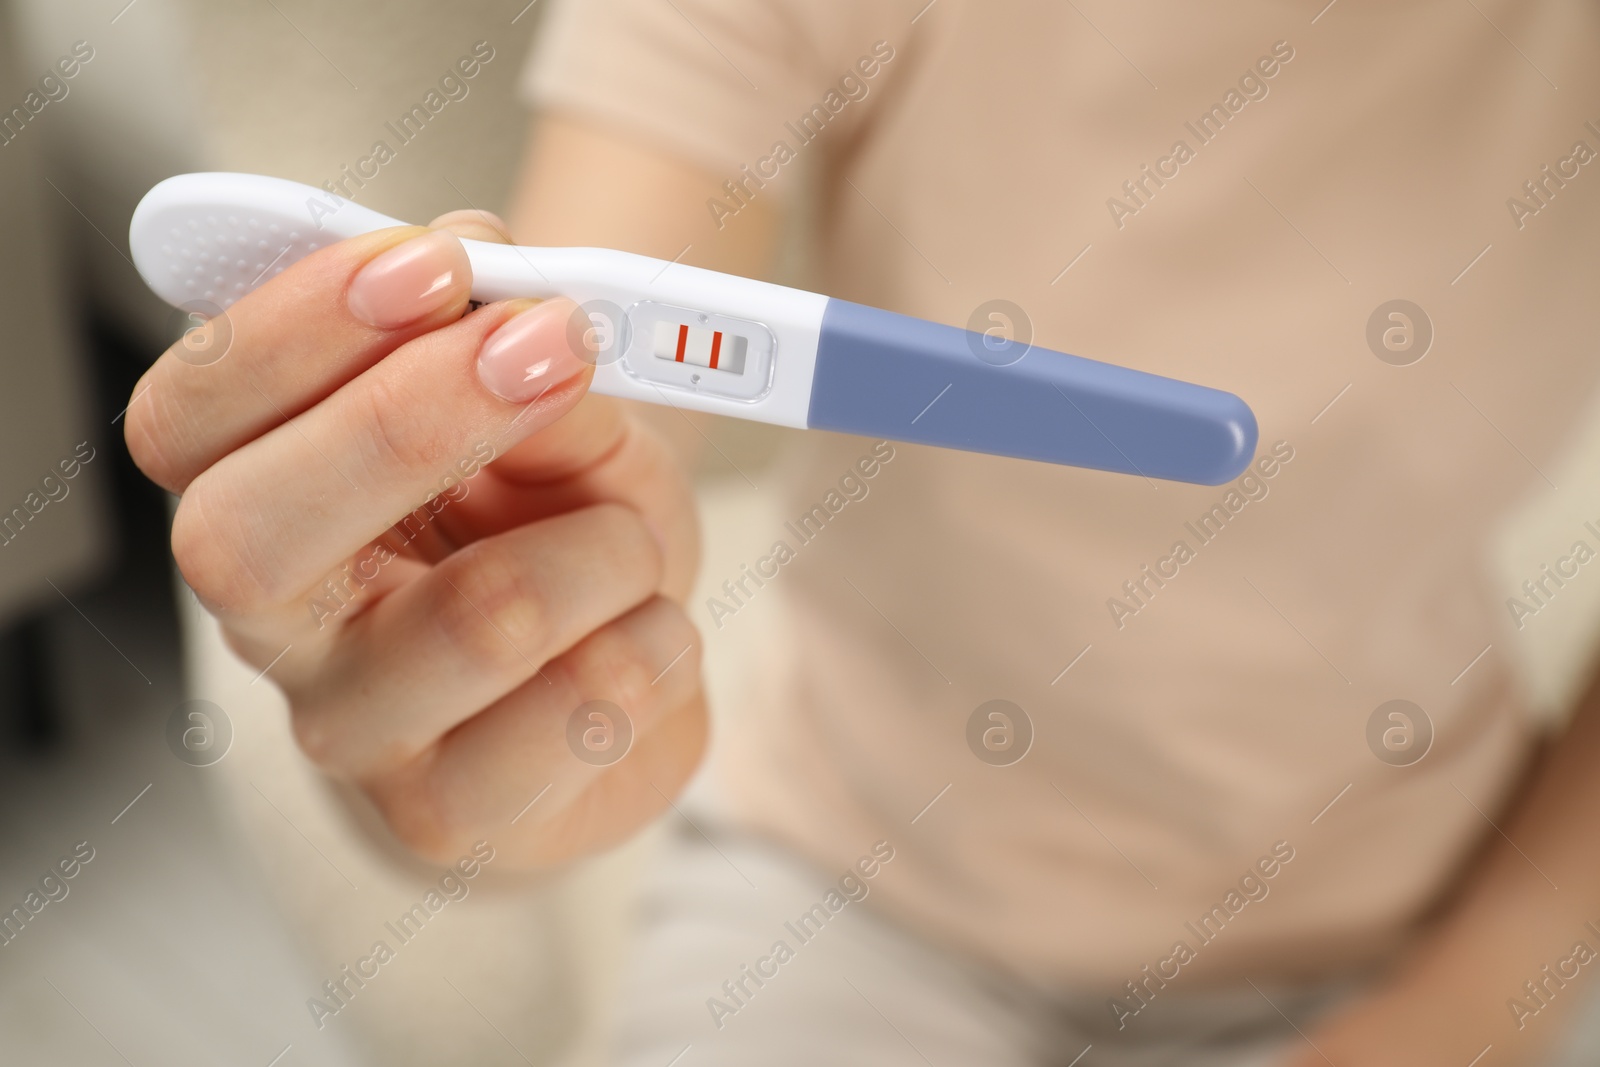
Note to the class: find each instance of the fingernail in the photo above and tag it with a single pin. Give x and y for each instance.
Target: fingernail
(475, 225)
(410, 280)
(530, 353)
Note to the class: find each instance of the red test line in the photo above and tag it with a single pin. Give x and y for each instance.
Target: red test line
(683, 339)
(716, 346)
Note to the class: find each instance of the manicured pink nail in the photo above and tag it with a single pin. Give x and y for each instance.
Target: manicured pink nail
(410, 280)
(530, 353)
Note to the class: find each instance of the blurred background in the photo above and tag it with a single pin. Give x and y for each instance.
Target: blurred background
(219, 897)
(223, 888)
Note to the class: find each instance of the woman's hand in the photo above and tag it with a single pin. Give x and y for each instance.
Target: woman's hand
(450, 546)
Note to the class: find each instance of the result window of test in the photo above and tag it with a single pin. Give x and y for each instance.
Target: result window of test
(700, 346)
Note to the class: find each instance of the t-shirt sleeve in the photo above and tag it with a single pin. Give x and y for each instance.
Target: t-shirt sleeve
(718, 81)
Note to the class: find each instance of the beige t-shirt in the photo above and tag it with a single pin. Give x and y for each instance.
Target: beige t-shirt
(1222, 192)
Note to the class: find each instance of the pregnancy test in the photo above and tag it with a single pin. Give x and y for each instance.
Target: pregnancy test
(696, 339)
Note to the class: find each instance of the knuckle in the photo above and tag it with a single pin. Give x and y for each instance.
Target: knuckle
(248, 647)
(491, 611)
(630, 668)
(399, 433)
(630, 538)
(208, 571)
(682, 634)
(680, 626)
(626, 677)
(313, 736)
(149, 432)
(333, 740)
(211, 557)
(411, 809)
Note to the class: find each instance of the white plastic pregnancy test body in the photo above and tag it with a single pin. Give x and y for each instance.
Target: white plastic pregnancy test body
(705, 341)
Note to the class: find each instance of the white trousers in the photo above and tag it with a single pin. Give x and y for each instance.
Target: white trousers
(862, 990)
